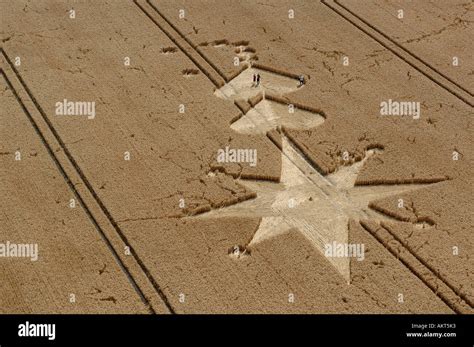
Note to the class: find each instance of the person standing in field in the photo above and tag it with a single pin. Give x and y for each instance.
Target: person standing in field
(258, 80)
(254, 80)
(301, 80)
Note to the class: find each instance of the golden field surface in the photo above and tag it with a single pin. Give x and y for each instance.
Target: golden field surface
(133, 208)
